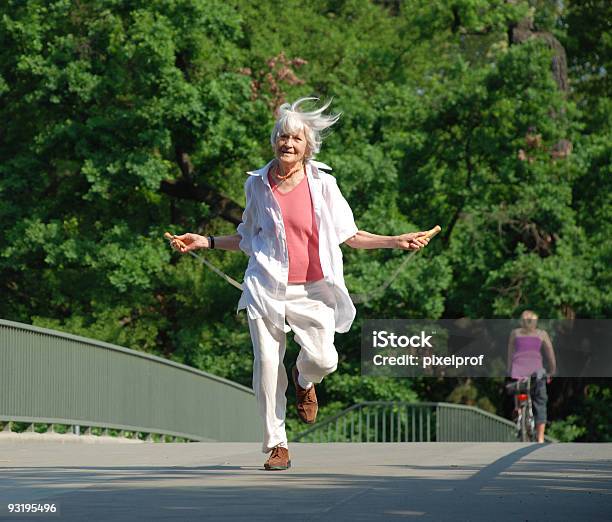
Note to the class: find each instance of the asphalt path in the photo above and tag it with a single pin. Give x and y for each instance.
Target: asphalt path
(352, 482)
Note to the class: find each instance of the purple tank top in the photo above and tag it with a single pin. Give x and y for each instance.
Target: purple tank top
(527, 357)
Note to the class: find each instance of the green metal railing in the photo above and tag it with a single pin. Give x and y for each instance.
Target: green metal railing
(459, 423)
(411, 422)
(57, 378)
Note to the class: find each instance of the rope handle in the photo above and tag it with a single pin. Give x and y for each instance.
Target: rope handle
(431, 233)
(170, 238)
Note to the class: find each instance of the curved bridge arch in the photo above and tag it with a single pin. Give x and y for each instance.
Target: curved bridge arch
(52, 377)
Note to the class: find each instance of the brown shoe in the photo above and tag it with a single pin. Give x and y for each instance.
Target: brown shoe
(307, 405)
(278, 460)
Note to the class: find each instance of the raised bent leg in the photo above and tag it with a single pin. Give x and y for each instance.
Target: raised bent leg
(310, 313)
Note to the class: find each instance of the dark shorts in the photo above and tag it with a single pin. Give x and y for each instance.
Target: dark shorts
(539, 398)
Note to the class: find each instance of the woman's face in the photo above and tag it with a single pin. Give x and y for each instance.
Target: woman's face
(291, 148)
(529, 320)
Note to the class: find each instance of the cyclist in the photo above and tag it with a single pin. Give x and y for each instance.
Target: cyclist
(525, 347)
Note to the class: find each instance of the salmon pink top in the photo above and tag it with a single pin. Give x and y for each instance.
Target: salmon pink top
(300, 231)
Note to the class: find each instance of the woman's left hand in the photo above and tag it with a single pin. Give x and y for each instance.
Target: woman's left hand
(412, 240)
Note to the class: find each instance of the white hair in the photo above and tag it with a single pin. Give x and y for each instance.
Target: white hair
(291, 120)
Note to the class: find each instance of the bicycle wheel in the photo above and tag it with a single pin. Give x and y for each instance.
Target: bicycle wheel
(524, 434)
(531, 431)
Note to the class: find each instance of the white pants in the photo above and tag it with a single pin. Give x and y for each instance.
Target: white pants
(309, 311)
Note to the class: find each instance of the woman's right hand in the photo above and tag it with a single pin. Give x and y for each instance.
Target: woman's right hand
(188, 242)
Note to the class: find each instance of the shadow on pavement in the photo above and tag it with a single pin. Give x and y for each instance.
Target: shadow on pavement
(511, 488)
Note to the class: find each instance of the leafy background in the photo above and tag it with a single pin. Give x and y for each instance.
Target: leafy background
(123, 119)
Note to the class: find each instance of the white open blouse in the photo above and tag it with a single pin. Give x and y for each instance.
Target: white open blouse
(263, 240)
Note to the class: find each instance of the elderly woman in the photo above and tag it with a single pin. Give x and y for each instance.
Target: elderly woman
(292, 227)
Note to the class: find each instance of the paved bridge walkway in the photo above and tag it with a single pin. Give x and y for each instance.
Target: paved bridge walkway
(352, 482)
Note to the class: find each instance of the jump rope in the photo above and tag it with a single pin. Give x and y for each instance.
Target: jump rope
(356, 298)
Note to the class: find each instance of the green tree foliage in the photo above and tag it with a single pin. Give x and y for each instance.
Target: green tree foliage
(123, 119)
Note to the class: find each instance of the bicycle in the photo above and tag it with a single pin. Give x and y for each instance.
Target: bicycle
(522, 389)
